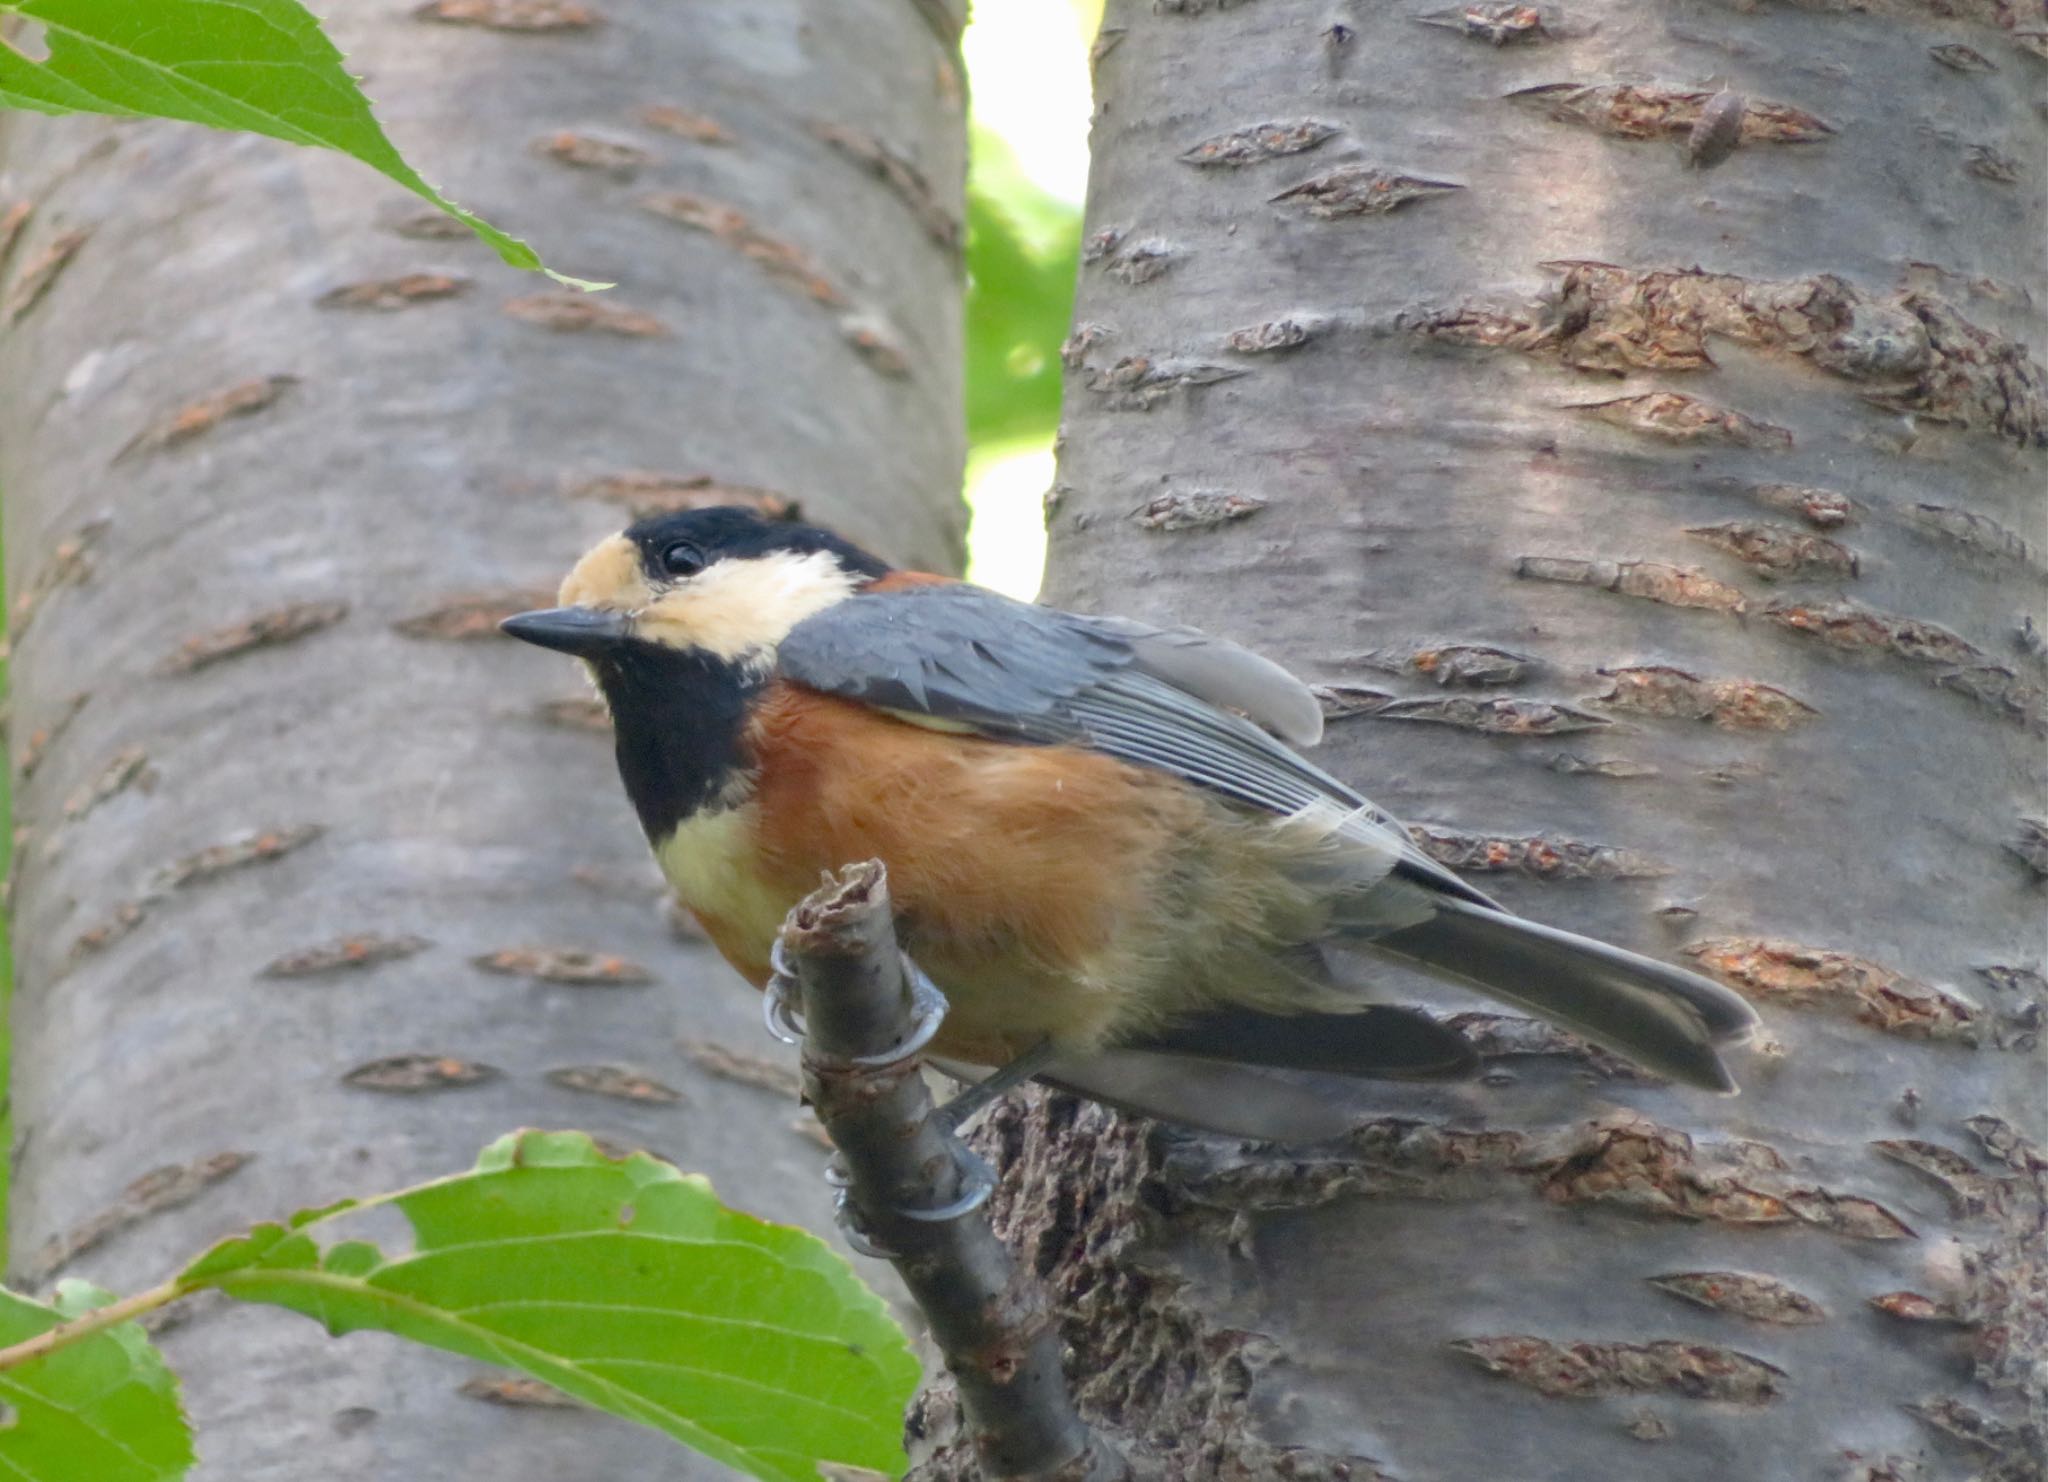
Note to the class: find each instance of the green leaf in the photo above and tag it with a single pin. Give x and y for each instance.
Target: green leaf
(1023, 254)
(621, 1282)
(259, 65)
(104, 1408)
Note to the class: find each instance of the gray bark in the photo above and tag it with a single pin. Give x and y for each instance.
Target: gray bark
(383, 769)
(1698, 611)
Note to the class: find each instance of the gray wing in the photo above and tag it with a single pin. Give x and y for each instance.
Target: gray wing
(1160, 698)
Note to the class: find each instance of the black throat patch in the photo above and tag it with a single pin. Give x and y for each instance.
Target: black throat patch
(677, 718)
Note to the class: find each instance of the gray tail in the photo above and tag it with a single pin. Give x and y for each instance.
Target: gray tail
(1662, 1017)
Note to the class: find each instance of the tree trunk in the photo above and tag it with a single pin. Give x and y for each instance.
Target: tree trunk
(1653, 478)
(326, 885)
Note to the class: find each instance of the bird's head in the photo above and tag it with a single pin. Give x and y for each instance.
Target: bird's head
(724, 582)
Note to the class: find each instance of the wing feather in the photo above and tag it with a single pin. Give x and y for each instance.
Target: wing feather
(1154, 697)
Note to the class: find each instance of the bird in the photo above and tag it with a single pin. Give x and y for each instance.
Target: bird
(1104, 845)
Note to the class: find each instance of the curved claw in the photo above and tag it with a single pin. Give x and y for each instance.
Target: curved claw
(846, 1215)
(977, 1182)
(928, 1004)
(779, 1009)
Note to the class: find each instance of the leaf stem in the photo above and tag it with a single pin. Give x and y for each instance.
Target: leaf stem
(78, 1329)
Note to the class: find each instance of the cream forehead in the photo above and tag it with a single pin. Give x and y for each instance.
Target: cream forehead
(609, 575)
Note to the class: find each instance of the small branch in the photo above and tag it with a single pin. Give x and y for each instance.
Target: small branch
(84, 1326)
(993, 1323)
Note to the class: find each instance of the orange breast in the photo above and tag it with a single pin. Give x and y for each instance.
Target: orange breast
(1016, 871)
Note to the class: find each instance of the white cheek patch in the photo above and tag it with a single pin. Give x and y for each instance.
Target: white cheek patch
(741, 609)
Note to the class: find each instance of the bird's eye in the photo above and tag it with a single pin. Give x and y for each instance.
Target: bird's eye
(680, 558)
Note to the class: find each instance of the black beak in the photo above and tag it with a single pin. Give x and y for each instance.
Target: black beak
(583, 631)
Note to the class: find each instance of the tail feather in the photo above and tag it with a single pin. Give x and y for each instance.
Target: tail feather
(1376, 1040)
(1662, 1017)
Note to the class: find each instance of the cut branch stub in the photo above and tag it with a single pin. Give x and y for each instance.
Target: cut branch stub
(908, 1185)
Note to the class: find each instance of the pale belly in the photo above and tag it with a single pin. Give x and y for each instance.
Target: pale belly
(709, 861)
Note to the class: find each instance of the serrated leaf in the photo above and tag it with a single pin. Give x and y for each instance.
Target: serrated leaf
(621, 1282)
(263, 66)
(105, 1407)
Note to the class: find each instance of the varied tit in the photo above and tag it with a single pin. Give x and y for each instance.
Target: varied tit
(1101, 843)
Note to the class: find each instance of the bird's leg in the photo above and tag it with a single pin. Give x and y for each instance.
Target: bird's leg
(957, 1112)
(977, 1179)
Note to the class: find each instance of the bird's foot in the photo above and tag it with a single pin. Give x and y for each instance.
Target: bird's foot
(781, 1010)
(977, 1182)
